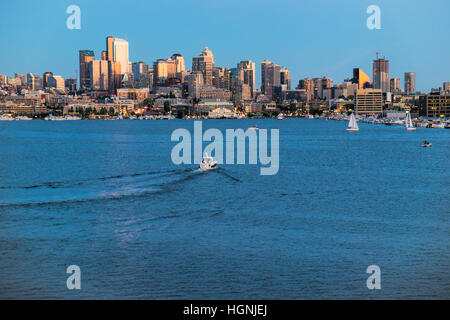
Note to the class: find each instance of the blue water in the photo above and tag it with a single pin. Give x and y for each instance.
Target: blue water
(104, 195)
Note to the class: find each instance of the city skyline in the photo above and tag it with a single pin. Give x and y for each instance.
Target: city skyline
(316, 52)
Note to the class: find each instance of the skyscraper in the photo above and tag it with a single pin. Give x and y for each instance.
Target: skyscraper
(109, 48)
(246, 75)
(45, 78)
(395, 85)
(86, 56)
(381, 74)
(179, 62)
(120, 54)
(34, 81)
(410, 82)
(56, 82)
(114, 76)
(285, 77)
(270, 77)
(99, 75)
(140, 74)
(221, 78)
(204, 63)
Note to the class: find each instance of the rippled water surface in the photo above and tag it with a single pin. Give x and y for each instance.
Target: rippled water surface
(104, 195)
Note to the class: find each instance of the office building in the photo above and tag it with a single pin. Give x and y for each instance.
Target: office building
(369, 101)
(120, 54)
(204, 63)
(56, 82)
(395, 85)
(86, 56)
(360, 78)
(34, 81)
(99, 70)
(436, 104)
(410, 82)
(140, 75)
(285, 77)
(270, 77)
(381, 78)
(246, 75)
(45, 78)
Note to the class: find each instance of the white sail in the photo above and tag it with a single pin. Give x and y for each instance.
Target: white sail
(352, 124)
(408, 122)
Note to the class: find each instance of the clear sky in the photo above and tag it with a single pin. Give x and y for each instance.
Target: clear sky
(312, 38)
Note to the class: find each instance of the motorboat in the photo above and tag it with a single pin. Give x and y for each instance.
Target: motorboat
(426, 144)
(280, 116)
(208, 163)
(253, 128)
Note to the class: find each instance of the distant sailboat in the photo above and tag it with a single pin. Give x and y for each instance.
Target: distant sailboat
(408, 122)
(352, 124)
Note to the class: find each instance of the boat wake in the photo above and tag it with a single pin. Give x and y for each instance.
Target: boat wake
(95, 189)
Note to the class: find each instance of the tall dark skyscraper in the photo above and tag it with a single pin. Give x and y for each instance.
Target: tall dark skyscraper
(86, 56)
(410, 82)
(381, 78)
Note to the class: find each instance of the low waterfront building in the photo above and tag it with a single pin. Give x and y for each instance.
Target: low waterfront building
(435, 104)
(22, 109)
(209, 105)
(219, 113)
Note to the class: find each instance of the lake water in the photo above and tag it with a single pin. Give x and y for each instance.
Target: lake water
(105, 195)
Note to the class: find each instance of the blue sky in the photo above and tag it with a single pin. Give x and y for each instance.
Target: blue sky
(311, 38)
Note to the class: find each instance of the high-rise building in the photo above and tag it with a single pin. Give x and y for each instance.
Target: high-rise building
(360, 78)
(22, 78)
(270, 77)
(221, 78)
(410, 82)
(104, 55)
(3, 79)
(446, 86)
(246, 75)
(99, 75)
(70, 84)
(307, 85)
(140, 74)
(109, 48)
(86, 56)
(285, 77)
(369, 101)
(395, 85)
(195, 83)
(120, 54)
(204, 63)
(114, 76)
(56, 82)
(381, 75)
(34, 81)
(321, 85)
(179, 62)
(45, 78)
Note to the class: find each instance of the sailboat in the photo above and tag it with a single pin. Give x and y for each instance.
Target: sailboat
(352, 124)
(408, 122)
